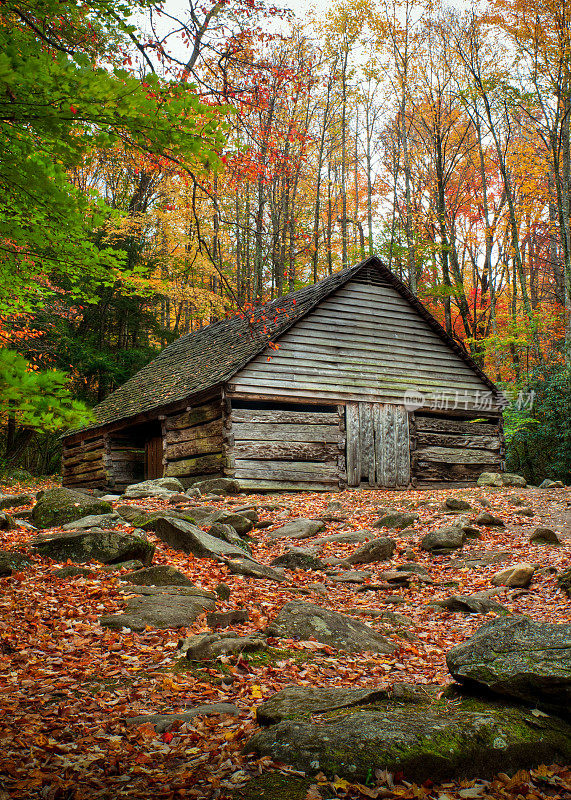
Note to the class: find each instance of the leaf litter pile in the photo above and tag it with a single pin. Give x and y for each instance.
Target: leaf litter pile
(69, 685)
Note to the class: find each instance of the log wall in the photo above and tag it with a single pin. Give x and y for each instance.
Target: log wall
(125, 459)
(193, 442)
(85, 463)
(283, 449)
(453, 449)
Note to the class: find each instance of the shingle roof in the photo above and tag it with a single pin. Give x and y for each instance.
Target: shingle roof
(212, 355)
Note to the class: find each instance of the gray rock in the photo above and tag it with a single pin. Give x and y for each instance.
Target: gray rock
(222, 619)
(519, 658)
(253, 569)
(223, 591)
(158, 487)
(188, 538)
(549, 484)
(161, 611)
(92, 521)
(300, 702)
(457, 504)
(108, 547)
(544, 536)
(351, 576)
(8, 523)
(509, 479)
(380, 549)
(489, 520)
(208, 646)
(12, 561)
(59, 506)
(130, 513)
(411, 566)
(490, 479)
(228, 533)
(395, 520)
(71, 571)
(443, 540)
(437, 741)
(162, 722)
(481, 558)
(158, 575)
(478, 603)
(14, 500)
(193, 492)
(526, 512)
(132, 565)
(349, 537)
(110, 498)
(517, 576)
(298, 529)
(221, 486)
(240, 522)
(305, 620)
(295, 558)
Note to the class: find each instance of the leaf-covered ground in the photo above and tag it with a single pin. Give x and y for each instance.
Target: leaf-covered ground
(68, 684)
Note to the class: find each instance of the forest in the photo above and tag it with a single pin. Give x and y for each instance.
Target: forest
(168, 165)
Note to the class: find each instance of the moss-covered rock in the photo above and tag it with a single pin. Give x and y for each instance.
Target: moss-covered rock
(438, 740)
(12, 561)
(108, 547)
(15, 500)
(58, 506)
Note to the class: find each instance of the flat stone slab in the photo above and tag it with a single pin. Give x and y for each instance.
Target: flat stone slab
(438, 741)
(253, 569)
(518, 658)
(108, 547)
(209, 646)
(159, 611)
(92, 521)
(159, 575)
(182, 535)
(350, 537)
(305, 620)
(478, 603)
(15, 500)
(162, 722)
(298, 529)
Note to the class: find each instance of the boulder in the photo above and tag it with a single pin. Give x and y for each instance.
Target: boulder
(12, 561)
(161, 610)
(58, 506)
(108, 547)
(188, 538)
(298, 529)
(158, 575)
(300, 702)
(253, 569)
(240, 522)
(221, 486)
(517, 576)
(489, 520)
(92, 521)
(228, 533)
(158, 487)
(71, 571)
(377, 550)
(490, 479)
(349, 537)
(436, 741)
(444, 540)
(457, 504)
(351, 576)
(208, 646)
(162, 722)
(395, 520)
(14, 500)
(295, 558)
(544, 536)
(518, 658)
(305, 621)
(509, 479)
(133, 565)
(223, 591)
(549, 484)
(478, 603)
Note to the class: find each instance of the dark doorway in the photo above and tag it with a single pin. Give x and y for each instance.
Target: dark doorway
(154, 457)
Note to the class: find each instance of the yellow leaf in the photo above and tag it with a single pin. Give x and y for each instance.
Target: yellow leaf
(256, 691)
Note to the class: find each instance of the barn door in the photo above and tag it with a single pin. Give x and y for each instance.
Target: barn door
(154, 457)
(378, 450)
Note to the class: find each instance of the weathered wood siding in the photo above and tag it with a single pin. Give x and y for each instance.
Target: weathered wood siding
(125, 459)
(455, 449)
(366, 343)
(378, 445)
(85, 463)
(283, 449)
(193, 442)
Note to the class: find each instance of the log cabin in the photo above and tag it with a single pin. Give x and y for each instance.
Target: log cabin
(349, 382)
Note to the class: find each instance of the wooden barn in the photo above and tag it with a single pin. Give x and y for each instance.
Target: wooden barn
(349, 382)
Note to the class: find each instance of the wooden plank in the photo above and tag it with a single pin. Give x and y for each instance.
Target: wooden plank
(286, 417)
(204, 431)
(292, 486)
(402, 446)
(198, 447)
(456, 455)
(380, 463)
(367, 443)
(84, 458)
(196, 416)
(443, 425)
(426, 439)
(286, 470)
(389, 448)
(291, 433)
(194, 466)
(84, 447)
(451, 472)
(287, 451)
(353, 444)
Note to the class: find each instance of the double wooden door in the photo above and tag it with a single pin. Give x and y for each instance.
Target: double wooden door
(378, 446)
